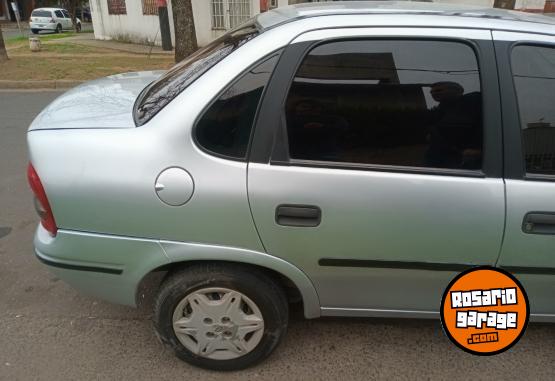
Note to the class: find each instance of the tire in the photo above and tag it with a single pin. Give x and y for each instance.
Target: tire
(59, 28)
(35, 31)
(258, 295)
(78, 27)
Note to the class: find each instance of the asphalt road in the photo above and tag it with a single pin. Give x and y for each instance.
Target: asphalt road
(50, 332)
(13, 31)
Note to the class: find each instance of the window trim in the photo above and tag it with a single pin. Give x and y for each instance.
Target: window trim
(234, 80)
(531, 176)
(270, 147)
(381, 168)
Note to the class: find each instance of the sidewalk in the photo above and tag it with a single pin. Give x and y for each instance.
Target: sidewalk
(87, 39)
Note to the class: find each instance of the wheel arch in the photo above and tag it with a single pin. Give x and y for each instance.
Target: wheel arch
(186, 254)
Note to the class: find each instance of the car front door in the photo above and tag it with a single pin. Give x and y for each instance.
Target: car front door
(528, 88)
(373, 168)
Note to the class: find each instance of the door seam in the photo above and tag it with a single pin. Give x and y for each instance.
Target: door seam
(250, 209)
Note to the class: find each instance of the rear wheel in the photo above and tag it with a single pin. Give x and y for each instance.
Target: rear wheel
(35, 31)
(221, 316)
(78, 27)
(59, 28)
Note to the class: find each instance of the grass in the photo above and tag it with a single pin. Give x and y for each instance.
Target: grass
(86, 68)
(76, 62)
(59, 59)
(18, 40)
(57, 48)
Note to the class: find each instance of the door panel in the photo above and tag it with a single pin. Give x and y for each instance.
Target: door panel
(420, 220)
(368, 154)
(531, 257)
(528, 85)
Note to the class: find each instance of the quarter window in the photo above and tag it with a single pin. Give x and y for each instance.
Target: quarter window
(534, 78)
(225, 128)
(394, 103)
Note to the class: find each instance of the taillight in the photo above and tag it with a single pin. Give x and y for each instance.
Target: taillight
(41, 202)
(52, 21)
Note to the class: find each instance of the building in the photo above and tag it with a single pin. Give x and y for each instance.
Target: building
(137, 20)
(520, 5)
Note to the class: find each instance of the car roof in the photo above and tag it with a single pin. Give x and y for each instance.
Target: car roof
(474, 15)
(49, 9)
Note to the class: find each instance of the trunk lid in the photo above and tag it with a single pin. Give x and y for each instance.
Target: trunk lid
(102, 103)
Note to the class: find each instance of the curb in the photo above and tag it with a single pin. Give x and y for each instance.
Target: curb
(44, 84)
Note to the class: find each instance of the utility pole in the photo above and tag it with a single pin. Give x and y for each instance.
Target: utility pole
(164, 25)
(3, 53)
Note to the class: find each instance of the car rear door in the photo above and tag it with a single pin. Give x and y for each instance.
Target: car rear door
(527, 79)
(374, 169)
(60, 18)
(67, 20)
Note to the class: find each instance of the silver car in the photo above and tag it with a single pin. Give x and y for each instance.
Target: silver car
(353, 158)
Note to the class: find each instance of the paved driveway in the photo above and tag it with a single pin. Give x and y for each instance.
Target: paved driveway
(50, 332)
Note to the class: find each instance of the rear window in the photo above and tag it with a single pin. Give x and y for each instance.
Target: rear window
(41, 13)
(534, 78)
(161, 92)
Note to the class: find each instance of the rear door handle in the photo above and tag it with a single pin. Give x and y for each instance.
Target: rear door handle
(539, 223)
(298, 215)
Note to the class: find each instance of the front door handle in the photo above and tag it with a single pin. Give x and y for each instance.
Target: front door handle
(298, 215)
(539, 223)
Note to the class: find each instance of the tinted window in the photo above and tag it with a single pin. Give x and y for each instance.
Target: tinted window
(401, 103)
(40, 13)
(66, 14)
(159, 93)
(534, 78)
(225, 128)
(59, 14)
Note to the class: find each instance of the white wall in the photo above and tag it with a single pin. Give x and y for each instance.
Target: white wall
(530, 4)
(520, 4)
(203, 22)
(133, 26)
(139, 28)
(203, 19)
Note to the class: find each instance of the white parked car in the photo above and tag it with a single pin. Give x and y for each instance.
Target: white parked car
(52, 19)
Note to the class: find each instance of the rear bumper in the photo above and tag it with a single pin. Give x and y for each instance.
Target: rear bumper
(42, 26)
(106, 267)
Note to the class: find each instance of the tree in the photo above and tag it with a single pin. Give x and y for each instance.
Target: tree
(3, 53)
(184, 27)
(71, 6)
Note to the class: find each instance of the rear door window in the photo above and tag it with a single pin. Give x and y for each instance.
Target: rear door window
(534, 79)
(59, 14)
(388, 102)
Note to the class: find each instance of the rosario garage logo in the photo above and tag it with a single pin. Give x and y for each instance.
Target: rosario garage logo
(484, 310)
